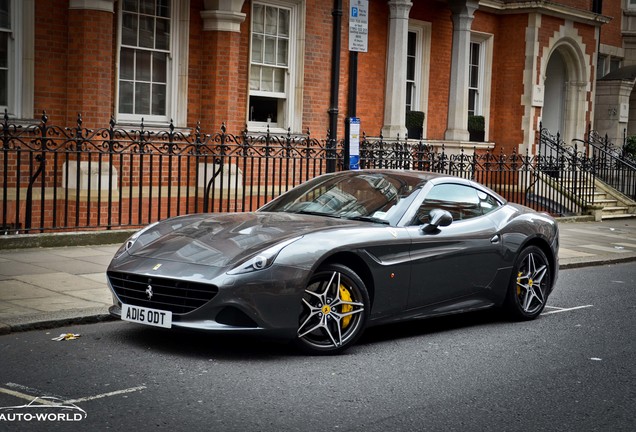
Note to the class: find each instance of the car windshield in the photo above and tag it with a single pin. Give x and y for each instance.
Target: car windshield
(375, 197)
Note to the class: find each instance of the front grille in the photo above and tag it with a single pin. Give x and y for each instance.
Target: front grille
(177, 296)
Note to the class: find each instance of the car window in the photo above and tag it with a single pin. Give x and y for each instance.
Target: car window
(487, 202)
(379, 196)
(461, 201)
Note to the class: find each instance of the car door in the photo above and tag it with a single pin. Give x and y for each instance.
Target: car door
(458, 260)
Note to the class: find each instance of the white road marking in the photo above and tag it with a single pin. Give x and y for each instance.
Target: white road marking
(25, 396)
(103, 395)
(31, 397)
(32, 391)
(564, 309)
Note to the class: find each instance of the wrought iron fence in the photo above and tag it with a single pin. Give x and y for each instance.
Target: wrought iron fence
(613, 164)
(557, 179)
(63, 179)
(569, 170)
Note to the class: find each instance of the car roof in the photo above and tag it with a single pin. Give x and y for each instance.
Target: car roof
(427, 176)
(424, 175)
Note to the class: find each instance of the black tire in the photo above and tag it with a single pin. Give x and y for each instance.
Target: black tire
(529, 285)
(335, 308)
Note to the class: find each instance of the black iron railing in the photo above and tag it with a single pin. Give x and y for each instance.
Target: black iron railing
(613, 164)
(568, 169)
(60, 179)
(63, 179)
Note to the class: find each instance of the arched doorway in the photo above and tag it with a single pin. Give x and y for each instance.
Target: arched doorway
(565, 80)
(553, 117)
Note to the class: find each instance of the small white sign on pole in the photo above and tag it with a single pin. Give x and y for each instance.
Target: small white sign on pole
(354, 143)
(359, 25)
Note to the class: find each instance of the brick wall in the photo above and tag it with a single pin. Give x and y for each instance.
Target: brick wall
(439, 15)
(91, 61)
(371, 69)
(611, 32)
(506, 110)
(51, 59)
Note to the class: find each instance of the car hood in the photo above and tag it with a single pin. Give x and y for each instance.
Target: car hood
(229, 238)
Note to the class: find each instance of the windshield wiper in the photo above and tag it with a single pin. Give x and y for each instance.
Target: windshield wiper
(369, 219)
(316, 213)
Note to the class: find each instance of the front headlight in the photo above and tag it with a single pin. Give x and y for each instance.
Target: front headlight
(128, 244)
(263, 259)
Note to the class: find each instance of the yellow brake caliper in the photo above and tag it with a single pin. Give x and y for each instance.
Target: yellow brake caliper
(345, 295)
(519, 284)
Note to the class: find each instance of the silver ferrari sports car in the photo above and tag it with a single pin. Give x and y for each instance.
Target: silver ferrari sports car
(337, 254)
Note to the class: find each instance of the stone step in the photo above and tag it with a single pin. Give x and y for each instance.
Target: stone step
(618, 216)
(610, 210)
(606, 202)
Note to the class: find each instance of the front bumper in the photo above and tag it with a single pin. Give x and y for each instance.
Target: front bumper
(266, 302)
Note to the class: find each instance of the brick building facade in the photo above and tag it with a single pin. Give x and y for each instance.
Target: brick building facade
(269, 62)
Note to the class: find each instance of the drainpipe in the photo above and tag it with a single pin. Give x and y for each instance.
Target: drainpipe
(335, 85)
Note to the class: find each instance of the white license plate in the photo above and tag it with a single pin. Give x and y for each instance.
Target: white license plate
(142, 315)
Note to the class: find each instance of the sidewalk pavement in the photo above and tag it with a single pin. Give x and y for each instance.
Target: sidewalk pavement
(60, 286)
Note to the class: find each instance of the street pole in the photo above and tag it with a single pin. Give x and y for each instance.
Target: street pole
(335, 86)
(351, 104)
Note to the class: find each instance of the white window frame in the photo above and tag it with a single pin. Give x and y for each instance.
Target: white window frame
(602, 64)
(422, 30)
(485, 40)
(631, 4)
(290, 116)
(177, 70)
(20, 60)
(478, 108)
(607, 61)
(417, 75)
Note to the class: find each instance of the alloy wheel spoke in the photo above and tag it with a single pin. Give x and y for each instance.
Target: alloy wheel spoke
(335, 343)
(341, 315)
(528, 296)
(531, 264)
(540, 274)
(318, 296)
(312, 314)
(308, 331)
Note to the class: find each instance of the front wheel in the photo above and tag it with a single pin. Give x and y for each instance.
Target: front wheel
(530, 285)
(335, 307)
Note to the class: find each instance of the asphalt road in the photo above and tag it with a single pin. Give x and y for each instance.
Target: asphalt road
(570, 370)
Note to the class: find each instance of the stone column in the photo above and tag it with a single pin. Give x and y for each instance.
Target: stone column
(222, 21)
(613, 109)
(395, 90)
(462, 16)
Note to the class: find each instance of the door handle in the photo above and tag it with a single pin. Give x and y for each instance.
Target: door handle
(495, 239)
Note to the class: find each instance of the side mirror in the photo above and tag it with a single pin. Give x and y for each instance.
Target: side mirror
(437, 218)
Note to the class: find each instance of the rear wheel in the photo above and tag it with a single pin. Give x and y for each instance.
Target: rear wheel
(334, 311)
(530, 285)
